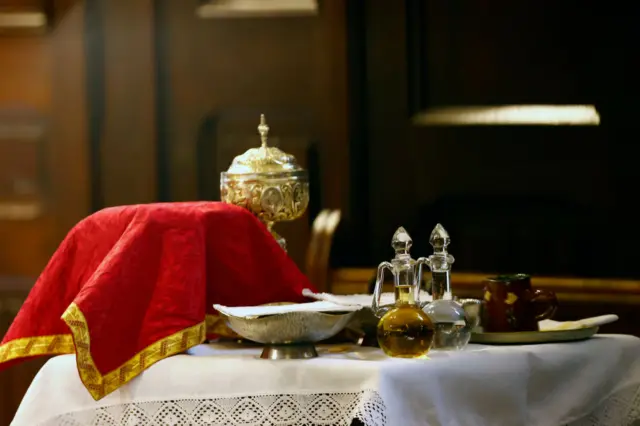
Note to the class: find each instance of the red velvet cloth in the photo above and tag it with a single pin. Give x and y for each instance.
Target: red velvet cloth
(141, 273)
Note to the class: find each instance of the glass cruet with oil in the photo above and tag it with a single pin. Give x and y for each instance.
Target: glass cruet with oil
(404, 329)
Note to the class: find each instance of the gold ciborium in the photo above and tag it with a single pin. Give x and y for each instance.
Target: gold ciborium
(268, 182)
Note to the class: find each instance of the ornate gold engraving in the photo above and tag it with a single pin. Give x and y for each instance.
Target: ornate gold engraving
(269, 201)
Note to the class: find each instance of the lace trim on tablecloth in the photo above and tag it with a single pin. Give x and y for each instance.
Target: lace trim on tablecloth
(621, 408)
(333, 409)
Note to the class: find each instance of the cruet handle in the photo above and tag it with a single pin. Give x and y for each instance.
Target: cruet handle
(377, 291)
(422, 261)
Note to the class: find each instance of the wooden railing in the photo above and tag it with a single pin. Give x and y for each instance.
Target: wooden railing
(597, 290)
(578, 297)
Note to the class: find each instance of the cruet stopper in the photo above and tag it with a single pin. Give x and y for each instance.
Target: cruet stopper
(404, 330)
(401, 242)
(268, 182)
(452, 325)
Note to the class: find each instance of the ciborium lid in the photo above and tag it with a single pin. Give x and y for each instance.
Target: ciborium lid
(264, 159)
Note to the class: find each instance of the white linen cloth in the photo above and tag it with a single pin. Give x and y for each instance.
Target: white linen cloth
(551, 325)
(591, 383)
(363, 300)
(263, 310)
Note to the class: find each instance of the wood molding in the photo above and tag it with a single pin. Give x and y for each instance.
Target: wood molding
(70, 173)
(124, 103)
(582, 290)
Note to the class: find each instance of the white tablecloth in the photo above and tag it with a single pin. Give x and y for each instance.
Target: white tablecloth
(594, 382)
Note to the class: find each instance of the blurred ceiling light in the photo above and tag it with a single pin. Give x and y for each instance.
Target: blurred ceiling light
(510, 115)
(22, 19)
(256, 8)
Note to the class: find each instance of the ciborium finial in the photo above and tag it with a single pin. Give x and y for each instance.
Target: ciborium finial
(263, 129)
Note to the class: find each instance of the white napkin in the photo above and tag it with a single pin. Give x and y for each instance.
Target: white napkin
(550, 325)
(362, 300)
(260, 311)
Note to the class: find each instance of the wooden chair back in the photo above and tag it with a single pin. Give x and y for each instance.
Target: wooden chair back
(319, 250)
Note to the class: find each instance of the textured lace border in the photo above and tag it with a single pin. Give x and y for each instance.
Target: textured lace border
(327, 409)
(620, 408)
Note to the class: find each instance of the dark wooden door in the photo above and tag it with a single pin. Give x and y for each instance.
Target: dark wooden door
(546, 199)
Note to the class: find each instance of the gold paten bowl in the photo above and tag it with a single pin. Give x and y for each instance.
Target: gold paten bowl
(267, 182)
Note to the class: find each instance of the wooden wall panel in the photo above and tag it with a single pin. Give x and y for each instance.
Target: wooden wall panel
(69, 153)
(331, 86)
(25, 66)
(25, 83)
(392, 168)
(128, 139)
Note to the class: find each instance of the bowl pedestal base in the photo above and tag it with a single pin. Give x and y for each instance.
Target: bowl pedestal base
(290, 351)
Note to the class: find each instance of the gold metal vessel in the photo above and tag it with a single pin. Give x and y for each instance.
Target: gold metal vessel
(268, 182)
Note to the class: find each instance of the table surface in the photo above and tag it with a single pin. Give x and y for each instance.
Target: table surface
(551, 384)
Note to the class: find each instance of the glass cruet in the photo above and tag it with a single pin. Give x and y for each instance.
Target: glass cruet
(404, 330)
(452, 324)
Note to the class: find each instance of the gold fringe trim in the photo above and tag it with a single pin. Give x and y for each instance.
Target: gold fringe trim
(217, 325)
(56, 344)
(100, 385)
(62, 344)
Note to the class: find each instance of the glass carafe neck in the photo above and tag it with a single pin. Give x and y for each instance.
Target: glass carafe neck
(441, 285)
(440, 264)
(405, 295)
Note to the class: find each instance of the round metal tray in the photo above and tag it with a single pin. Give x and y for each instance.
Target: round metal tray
(533, 337)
